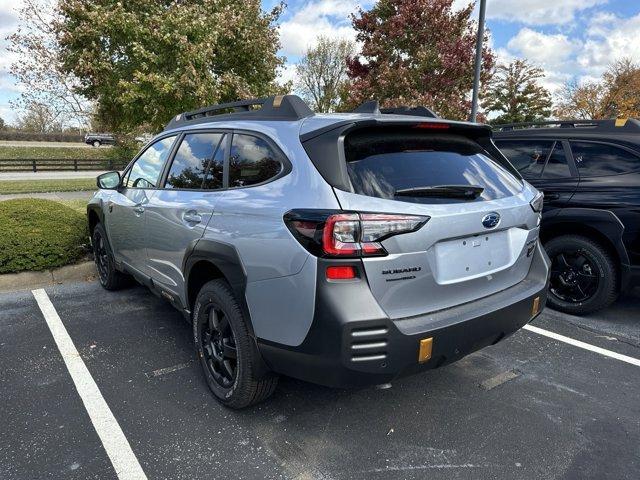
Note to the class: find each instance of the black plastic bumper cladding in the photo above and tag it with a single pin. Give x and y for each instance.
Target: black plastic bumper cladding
(353, 343)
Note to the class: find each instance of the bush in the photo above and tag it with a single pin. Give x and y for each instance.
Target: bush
(40, 234)
(16, 135)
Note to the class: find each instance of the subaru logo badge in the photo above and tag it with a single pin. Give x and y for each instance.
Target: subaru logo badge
(491, 220)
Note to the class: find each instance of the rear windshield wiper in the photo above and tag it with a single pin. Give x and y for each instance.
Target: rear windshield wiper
(468, 192)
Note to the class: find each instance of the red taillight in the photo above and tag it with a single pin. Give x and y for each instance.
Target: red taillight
(348, 234)
(341, 273)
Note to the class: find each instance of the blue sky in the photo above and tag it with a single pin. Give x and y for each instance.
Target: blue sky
(569, 39)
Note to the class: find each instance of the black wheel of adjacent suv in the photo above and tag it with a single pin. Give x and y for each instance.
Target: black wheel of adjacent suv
(110, 278)
(583, 275)
(225, 348)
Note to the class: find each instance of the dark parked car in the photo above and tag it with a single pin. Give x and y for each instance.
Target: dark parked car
(97, 139)
(589, 172)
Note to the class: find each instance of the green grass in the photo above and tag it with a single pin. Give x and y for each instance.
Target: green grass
(30, 152)
(40, 234)
(52, 185)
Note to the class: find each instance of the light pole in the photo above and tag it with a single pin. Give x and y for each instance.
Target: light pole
(476, 78)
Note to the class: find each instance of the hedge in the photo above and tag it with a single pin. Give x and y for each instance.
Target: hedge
(19, 136)
(38, 234)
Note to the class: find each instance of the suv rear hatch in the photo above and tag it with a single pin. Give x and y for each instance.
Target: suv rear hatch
(480, 227)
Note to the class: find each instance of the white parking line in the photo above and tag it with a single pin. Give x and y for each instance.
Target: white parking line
(586, 346)
(115, 443)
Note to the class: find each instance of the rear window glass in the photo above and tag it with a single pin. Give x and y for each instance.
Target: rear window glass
(381, 164)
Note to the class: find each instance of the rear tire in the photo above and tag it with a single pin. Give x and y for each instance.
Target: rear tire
(96, 143)
(225, 349)
(110, 278)
(584, 276)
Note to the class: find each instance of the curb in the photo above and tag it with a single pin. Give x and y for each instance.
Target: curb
(10, 282)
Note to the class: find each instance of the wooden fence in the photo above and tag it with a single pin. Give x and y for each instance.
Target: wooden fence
(52, 164)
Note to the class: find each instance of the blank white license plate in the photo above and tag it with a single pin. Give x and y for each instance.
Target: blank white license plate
(472, 256)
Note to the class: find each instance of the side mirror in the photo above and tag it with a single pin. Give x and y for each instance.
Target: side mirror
(108, 181)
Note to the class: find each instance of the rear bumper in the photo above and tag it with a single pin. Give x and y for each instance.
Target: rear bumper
(351, 344)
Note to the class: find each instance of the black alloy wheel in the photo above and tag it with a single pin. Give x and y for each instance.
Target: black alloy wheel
(226, 351)
(219, 347)
(101, 256)
(574, 278)
(584, 275)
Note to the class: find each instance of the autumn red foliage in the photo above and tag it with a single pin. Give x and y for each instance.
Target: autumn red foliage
(416, 52)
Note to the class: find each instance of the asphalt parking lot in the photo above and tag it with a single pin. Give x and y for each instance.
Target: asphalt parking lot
(529, 407)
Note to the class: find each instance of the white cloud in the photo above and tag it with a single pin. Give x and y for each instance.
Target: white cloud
(548, 50)
(330, 18)
(539, 12)
(609, 38)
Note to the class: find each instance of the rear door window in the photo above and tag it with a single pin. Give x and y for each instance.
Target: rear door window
(557, 166)
(381, 164)
(599, 159)
(195, 163)
(527, 156)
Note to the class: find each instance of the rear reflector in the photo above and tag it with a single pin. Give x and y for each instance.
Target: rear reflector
(341, 273)
(426, 345)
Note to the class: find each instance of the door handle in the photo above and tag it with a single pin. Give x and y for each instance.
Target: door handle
(138, 210)
(551, 196)
(192, 217)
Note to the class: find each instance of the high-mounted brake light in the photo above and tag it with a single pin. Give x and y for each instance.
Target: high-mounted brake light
(432, 126)
(328, 233)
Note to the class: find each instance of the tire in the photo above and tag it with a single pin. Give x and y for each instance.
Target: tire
(110, 278)
(584, 275)
(96, 143)
(220, 333)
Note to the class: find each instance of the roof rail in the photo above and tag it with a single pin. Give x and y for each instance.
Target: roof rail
(611, 125)
(278, 107)
(373, 106)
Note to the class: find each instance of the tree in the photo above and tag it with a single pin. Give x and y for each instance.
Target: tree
(3, 124)
(581, 101)
(616, 94)
(417, 52)
(622, 84)
(38, 68)
(514, 92)
(322, 73)
(146, 61)
(39, 118)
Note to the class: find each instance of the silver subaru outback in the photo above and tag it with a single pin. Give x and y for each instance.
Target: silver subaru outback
(342, 249)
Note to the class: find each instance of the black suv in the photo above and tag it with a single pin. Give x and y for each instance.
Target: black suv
(589, 172)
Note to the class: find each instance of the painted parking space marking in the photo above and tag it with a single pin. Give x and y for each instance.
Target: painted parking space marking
(585, 346)
(113, 439)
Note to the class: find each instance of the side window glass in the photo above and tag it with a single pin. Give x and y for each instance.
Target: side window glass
(597, 159)
(214, 177)
(193, 162)
(557, 166)
(251, 161)
(527, 156)
(145, 172)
